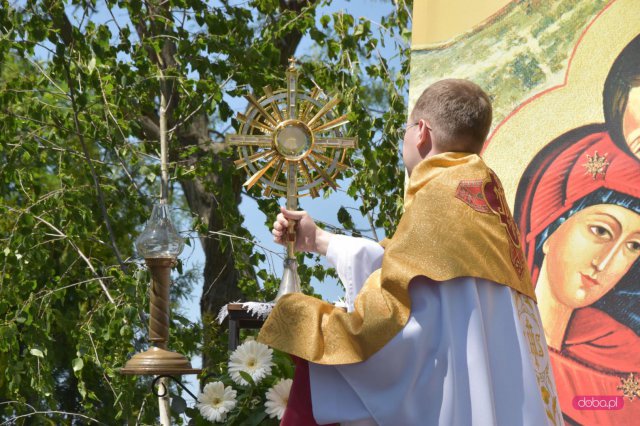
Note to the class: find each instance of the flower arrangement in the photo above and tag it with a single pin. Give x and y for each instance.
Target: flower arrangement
(253, 391)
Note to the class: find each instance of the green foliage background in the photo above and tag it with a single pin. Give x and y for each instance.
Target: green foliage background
(79, 93)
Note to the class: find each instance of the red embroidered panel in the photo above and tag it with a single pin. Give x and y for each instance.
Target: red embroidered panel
(470, 191)
(487, 196)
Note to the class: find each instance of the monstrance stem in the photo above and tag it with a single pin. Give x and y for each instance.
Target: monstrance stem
(292, 204)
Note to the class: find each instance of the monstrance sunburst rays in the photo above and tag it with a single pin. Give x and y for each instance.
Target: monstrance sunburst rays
(291, 144)
(292, 132)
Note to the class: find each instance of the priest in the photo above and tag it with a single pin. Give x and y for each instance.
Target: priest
(442, 327)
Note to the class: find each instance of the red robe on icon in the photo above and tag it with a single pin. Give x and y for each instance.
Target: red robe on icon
(598, 351)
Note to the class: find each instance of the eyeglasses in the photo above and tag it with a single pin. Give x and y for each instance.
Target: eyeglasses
(402, 130)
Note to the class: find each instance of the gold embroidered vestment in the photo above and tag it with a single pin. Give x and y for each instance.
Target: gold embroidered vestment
(456, 224)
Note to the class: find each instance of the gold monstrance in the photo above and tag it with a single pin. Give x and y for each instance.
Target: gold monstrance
(296, 136)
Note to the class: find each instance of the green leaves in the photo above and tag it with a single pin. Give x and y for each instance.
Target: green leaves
(247, 377)
(77, 364)
(68, 77)
(255, 419)
(37, 352)
(178, 404)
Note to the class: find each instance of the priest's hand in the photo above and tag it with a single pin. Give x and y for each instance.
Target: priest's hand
(309, 238)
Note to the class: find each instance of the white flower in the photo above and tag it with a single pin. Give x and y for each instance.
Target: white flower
(277, 398)
(253, 358)
(216, 401)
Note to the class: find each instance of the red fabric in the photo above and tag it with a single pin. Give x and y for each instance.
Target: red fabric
(299, 411)
(584, 366)
(595, 338)
(597, 351)
(560, 179)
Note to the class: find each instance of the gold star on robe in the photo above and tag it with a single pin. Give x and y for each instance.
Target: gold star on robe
(596, 165)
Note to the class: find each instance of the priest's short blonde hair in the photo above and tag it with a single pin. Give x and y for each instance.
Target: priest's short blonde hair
(458, 112)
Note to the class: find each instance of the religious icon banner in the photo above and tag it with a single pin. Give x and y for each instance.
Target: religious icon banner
(564, 77)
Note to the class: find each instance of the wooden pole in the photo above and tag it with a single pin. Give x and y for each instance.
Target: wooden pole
(164, 401)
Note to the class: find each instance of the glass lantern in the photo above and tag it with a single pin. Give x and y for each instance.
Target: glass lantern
(159, 239)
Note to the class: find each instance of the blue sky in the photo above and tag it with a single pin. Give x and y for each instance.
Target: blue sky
(322, 209)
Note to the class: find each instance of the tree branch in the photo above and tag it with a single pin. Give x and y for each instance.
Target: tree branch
(48, 413)
(94, 176)
(66, 34)
(76, 248)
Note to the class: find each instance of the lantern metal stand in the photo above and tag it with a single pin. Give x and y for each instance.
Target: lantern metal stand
(160, 244)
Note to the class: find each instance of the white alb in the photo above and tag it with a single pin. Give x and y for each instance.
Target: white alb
(471, 354)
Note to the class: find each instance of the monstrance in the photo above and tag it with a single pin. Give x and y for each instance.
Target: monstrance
(297, 137)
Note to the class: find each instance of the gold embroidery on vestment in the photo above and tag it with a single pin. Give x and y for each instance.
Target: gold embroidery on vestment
(438, 237)
(531, 325)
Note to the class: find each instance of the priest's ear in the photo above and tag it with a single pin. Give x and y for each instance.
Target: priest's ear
(425, 142)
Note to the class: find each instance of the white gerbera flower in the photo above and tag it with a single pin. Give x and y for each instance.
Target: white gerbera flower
(215, 401)
(277, 398)
(253, 358)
